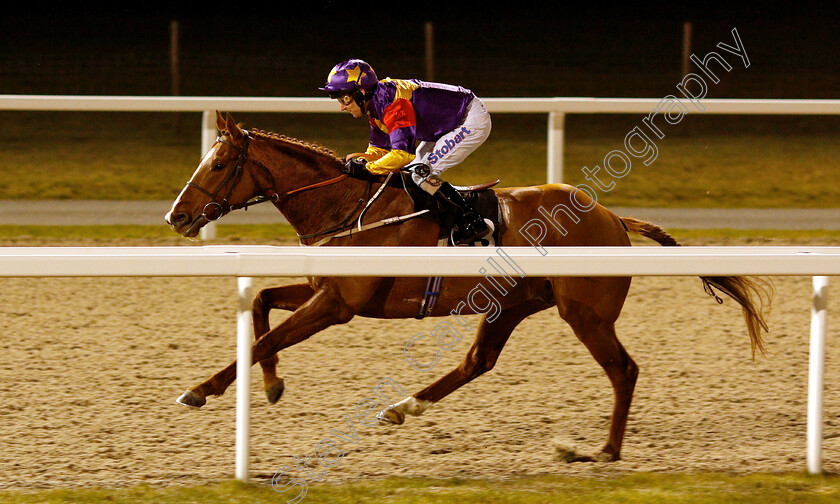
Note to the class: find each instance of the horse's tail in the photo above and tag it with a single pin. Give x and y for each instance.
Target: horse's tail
(754, 294)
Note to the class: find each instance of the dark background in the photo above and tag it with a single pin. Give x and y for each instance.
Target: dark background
(509, 49)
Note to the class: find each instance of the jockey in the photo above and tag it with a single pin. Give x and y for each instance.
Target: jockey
(427, 127)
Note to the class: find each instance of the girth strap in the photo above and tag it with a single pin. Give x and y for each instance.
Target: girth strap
(432, 291)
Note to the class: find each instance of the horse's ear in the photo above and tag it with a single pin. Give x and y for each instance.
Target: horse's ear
(233, 130)
(220, 121)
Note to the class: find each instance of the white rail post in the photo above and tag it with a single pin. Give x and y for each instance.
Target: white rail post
(815, 374)
(208, 138)
(556, 124)
(244, 339)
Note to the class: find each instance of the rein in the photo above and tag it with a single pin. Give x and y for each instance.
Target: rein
(343, 229)
(318, 184)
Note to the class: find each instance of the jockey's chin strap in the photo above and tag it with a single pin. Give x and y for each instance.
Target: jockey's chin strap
(215, 210)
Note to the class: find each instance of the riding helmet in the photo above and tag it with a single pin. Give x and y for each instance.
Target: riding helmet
(349, 76)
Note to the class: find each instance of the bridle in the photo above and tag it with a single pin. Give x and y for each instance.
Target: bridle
(215, 210)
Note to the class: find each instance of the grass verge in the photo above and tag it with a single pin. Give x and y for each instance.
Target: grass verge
(130, 234)
(636, 488)
(723, 163)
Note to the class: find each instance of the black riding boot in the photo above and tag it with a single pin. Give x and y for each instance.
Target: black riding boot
(470, 226)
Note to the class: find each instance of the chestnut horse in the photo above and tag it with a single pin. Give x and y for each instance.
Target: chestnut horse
(306, 184)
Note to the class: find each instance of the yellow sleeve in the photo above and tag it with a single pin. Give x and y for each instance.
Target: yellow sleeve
(392, 161)
(376, 152)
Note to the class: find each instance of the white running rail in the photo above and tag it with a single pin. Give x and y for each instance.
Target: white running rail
(245, 262)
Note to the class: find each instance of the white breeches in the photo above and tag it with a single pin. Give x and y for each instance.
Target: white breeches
(453, 147)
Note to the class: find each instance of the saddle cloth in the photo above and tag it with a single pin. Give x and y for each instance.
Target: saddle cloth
(481, 197)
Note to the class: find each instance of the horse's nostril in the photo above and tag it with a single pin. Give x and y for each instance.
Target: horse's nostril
(176, 219)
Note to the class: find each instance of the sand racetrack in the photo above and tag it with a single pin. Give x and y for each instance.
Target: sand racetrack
(90, 369)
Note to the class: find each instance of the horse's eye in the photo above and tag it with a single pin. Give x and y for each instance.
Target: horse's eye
(218, 167)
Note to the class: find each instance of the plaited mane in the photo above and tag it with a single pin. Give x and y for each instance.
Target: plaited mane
(317, 149)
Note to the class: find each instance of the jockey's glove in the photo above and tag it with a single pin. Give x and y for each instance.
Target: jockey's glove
(355, 167)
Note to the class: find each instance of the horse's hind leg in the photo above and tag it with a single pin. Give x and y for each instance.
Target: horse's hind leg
(287, 297)
(481, 357)
(591, 306)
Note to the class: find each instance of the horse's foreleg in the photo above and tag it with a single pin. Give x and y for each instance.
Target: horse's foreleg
(321, 311)
(481, 357)
(287, 297)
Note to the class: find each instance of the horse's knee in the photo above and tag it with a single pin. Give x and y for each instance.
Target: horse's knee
(289, 297)
(342, 311)
(260, 306)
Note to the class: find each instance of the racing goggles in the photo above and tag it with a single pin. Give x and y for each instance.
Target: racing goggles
(343, 98)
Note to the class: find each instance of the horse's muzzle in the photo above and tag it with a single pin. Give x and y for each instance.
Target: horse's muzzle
(177, 219)
(182, 223)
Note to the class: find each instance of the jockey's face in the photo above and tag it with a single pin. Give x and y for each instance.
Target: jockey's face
(348, 104)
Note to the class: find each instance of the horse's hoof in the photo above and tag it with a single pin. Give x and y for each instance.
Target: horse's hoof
(606, 457)
(191, 399)
(391, 416)
(275, 392)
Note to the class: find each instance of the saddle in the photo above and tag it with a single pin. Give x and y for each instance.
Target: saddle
(480, 196)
